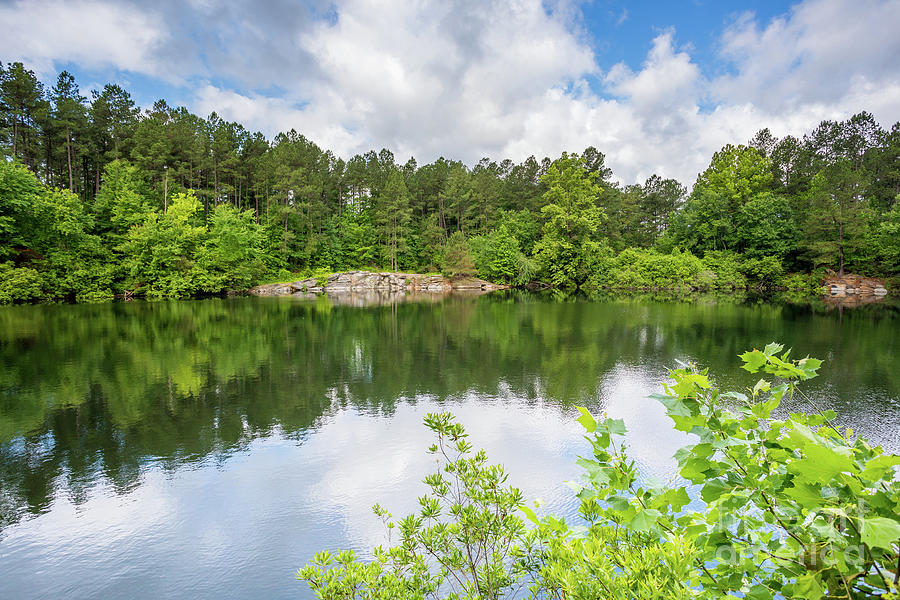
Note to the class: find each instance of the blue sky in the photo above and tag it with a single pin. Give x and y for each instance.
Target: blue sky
(623, 31)
(658, 87)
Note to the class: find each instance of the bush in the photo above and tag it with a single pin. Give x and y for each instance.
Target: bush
(789, 507)
(456, 259)
(726, 269)
(497, 256)
(764, 272)
(634, 268)
(20, 284)
(805, 283)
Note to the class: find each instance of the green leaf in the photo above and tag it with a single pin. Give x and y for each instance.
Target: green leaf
(880, 532)
(684, 388)
(586, 419)
(877, 467)
(675, 407)
(773, 348)
(618, 503)
(821, 464)
(713, 490)
(753, 361)
(764, 410)
(644, 520)
(805, 494)
(615, 426)
(758, 592)
(529, 514)
(809, 366)
(761, 386)
(597, 473)
(808, 587)
(677, 498)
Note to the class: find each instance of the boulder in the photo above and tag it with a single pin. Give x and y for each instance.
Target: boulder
(852, 284)
(365, 281)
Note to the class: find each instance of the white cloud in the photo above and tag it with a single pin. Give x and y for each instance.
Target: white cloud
(466, 79)
(449, 78)
(820, 53)
(668, 80)
(90, 33)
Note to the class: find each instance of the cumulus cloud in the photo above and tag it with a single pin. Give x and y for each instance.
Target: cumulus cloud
(446, 78)
(467, 79)
(821, 52)
(87, 32)
(471, 80)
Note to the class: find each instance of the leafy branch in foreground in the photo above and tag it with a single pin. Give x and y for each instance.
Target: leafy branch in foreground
(463, 543)
(788, 507)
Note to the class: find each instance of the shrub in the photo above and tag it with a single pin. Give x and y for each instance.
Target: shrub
(805, 283)
(497, 255)
(764, 271)
(456, 259)
(790, 507)
(634, 268)
(20, 284)
(726, 271)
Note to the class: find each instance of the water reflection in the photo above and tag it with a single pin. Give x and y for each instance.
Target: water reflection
(364, 298)
(207, 448)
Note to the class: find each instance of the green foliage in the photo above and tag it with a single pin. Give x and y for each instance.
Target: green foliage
(392, 220)
(358, 236)
(764, 272)
(765, 227)
(717, 271)
(723, 271)
(19, 284)
(838, 217)
(162, 250)
(567, 249)
(786, 502)
(736, 174)
(456, 259)
(19, 189)
(646, 269)
(886, 239)
(231, 258)
(729, 204)
(122, 200)
(786, 506)
(497, 256)
(805, 283)
(826, 200)
(463, 542)
(524, 225)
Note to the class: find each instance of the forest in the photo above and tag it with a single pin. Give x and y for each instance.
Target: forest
(99, 199)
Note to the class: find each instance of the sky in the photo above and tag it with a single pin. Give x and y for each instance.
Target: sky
(657, 87)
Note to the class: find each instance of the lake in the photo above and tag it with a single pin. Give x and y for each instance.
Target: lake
(208, 448)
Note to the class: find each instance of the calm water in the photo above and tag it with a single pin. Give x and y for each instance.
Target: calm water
(207, 449)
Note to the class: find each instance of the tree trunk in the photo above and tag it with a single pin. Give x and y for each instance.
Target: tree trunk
(841, 246)
(69, 158)
(216, 180)
(49, 161)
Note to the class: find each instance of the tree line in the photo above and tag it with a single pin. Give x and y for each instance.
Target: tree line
(100, 198)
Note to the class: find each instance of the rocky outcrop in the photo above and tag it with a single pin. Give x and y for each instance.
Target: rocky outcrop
(366, 281)
(850, 284)
(474, 284)
(302, 286)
